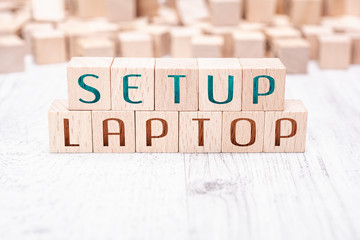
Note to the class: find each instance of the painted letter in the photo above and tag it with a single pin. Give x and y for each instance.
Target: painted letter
(278, 130)
(201, 129)
(67, 134)
(126, 88)
(148, 130)
(256, 93)
(233, 132)
(88, 88)
(106, 133)
(211, 90)
(177, 86)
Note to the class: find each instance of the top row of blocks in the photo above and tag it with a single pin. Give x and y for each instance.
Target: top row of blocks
(205, 84)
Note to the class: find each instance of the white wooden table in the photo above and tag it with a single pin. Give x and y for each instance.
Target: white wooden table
(315, 195)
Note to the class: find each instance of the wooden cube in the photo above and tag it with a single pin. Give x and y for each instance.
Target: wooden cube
(181, 41)
(263, 84)
(207, 46)
(121, 10)
(226, 33)
(249, 44)
(31, 27)
(311, 34)
(305, 11)
(113, 131)
(293, 53)
(89, 8)
(69, 131)
(286, 131)
(161, 39)
(225, 12)
(49, 47)
(95, 47)
(275, 33)
(192, 11)
(260, 10)
(200, 132)
(220, 84)
(334, 52)
(89, 83)
(157, 131)
(176, 84)
(48, 10)
(355, 38)
(243, 131)
(132, 84)
(12, 54)
(281, 21)
(147, 8)
(136, 44)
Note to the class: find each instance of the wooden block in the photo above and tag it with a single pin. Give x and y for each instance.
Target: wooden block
(334, 52)
(69, 131)
(95, 47)
(166, 16)
(176, 84)
(220, 84)
(31, 27)
(12, 54)
(161, 39)
(207, 46)
(113, 131)
(48, 10)
(89, 8)
(147, 8)
(355, 38)
(274, 33)
(192, 11)
(311, 34)
(132, 84)
(226, 33)
(249, 44)
(136, 44)
(49, 47)
(335, 7)
(157, 131)
(293, 53)
(260, 10)
(225, 12)
(286, 131)
(305, 11)
(121, 10)
(280, 21)
(263, 84)
(181, 41)
(243, 131)
(89, 83)
(251, 26)
(200, 132)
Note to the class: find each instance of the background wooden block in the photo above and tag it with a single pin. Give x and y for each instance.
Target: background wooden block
(192, 11)
(69, 131)
(249, 44)
(113, 131)
(136, 44)
(243, 131)
(293, 53)
(143, 97)
(181, 41)
(31, 27)
(12, 54)
(275, 33)
(95, 47)
(161, 39)
(254, 69)
(260, 10)
(167, 97)
(95, 73)
(207, 46)
(121, 10)
(226, 33)
(48, 10)
(286, 131)
(89, 8)
(355, 38)
(305, 11)
(226, 96)
(49, 47)
(200, 132)
(334, 52)
(157, 131)
(225, 12)
(311, 34)
(147, 8)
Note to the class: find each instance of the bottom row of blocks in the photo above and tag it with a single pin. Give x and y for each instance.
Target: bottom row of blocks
(186, 132)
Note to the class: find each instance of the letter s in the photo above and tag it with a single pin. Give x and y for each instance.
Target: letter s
(88, 88)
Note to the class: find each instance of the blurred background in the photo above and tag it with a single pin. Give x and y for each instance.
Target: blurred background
(296, 31)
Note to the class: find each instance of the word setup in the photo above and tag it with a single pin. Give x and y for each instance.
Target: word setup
(176, 105)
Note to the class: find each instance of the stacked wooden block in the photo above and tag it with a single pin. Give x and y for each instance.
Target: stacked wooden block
(177, 105)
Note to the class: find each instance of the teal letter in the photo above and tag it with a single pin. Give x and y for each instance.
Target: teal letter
(177, 86)
(88, 88)
(211, 90)
(126, 88)
(256, 93)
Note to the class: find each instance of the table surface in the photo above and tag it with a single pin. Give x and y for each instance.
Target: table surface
(315, 195)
